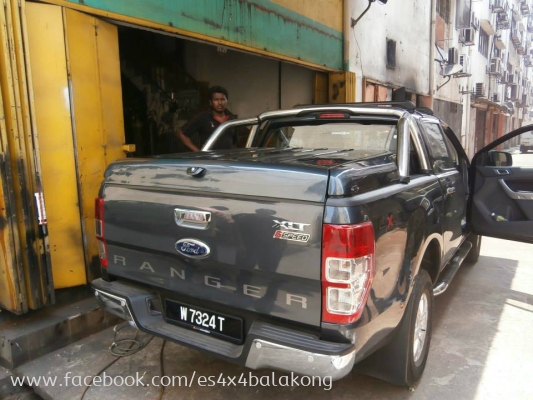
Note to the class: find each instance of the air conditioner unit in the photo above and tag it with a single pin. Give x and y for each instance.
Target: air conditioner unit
(504, 78)
(513, 93)
(496, 97)
(495, 66)
(453, 55)
(466, 37)
(464, 60)
(502, 56)
(479, 89)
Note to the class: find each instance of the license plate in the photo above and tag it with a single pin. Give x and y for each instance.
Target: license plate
(205, 321)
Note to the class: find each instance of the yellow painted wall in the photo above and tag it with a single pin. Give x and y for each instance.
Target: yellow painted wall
(78, 102)
(327, 12)
(93, 56)
(53, 117)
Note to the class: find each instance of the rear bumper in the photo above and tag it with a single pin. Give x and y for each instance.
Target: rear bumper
(266, 345)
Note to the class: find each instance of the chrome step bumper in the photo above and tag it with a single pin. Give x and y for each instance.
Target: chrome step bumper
(266, 346)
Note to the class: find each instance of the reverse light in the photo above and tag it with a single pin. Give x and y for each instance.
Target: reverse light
(99, 227)
(347, 271)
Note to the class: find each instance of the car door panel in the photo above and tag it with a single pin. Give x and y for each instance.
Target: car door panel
(446, 163)
(501, 204)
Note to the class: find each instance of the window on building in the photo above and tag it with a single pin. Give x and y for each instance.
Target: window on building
(391, 53)
(483, 45)
(463, 12)
(443, 9)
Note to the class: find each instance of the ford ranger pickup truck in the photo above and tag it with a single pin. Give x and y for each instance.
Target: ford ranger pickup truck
(318, 245)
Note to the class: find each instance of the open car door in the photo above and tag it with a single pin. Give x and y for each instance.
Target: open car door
(501, 203)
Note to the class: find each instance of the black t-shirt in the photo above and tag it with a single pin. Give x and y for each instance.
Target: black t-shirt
(205, 124)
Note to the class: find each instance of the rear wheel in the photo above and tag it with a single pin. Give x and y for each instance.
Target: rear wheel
(473, 254)
(523, 149)
(403, 360)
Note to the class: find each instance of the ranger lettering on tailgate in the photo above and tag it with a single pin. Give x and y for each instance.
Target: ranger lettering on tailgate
(214, 282)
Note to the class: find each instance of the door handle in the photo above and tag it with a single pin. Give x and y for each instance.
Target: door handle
(502, 172)
(450, 190)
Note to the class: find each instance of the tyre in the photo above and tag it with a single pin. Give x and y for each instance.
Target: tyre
(402, 361)
(473, 254)
(523, 149)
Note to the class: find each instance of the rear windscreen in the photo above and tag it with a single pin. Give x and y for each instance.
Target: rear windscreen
(369, 138)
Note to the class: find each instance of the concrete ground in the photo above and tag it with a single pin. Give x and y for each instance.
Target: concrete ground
(8, 391)
(482, 348)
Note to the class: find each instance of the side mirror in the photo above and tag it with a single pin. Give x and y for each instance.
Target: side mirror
(500, 159)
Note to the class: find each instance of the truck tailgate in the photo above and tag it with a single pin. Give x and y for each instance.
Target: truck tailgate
(262, 232)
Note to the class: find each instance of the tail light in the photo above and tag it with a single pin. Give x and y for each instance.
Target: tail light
(99, 222)
(347, 271)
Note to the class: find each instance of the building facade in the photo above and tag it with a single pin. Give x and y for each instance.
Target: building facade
(468, 60)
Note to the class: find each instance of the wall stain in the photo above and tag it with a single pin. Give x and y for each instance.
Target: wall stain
(251, 7)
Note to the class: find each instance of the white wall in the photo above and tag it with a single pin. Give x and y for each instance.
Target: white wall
(252, 81)
(408, 22)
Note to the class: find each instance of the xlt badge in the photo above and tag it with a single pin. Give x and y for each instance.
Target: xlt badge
(296, 229)
(290, 226)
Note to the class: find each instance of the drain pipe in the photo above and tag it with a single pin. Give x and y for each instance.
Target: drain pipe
(433, 13)
(347, 27)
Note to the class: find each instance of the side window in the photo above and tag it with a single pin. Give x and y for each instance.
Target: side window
(461, 158)
(451, 151)
(442, 154)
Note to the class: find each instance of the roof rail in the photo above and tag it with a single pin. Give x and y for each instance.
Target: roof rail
(406, 105)
(425, 110)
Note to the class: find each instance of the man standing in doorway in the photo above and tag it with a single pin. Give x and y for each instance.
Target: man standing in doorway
(205, 123)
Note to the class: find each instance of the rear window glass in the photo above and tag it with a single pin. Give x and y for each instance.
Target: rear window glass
(370, 138)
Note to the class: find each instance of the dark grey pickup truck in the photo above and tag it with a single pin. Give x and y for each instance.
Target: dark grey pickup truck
(318, 245)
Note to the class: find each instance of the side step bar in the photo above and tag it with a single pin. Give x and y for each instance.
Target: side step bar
(452, 268)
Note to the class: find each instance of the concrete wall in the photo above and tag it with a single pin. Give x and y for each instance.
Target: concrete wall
(406, 22)
(447, 37)
(451, 113)
(252, 81)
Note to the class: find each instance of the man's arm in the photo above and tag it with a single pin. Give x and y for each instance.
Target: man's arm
(186, 140)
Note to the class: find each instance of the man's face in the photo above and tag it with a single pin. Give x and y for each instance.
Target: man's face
(218, 102)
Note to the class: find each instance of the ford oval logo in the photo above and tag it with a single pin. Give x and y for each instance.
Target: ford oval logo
(192, 248)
